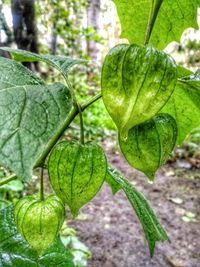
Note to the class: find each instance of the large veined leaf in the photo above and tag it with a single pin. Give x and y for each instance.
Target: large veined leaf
(137, 81)
(153, 230)
(150, 143)
(29, 117)
(184, 105)
(16, 252)
(13, 73)
(77, 172)
(61, 63)
(168, 20)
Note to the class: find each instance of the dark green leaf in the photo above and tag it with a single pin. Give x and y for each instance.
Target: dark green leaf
(150, 144)
(13, 74)
(173, 17)
(15, 251)
(184, 105)
(137, 81)
(61, 63)
(77, 172)
(115, 186)
(153, 230)
(30, 115)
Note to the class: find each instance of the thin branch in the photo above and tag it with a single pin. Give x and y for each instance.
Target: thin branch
(91, 101)
(74, 112)
(155, 7)
(42, 184)
(8, 179)
(81, 125)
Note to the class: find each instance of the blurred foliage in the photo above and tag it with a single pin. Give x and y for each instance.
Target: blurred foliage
(65, 24)
(192, 144)
(10, 192)
(80, 252)
(193, 47)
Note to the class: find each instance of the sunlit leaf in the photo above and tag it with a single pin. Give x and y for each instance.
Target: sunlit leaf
(184, 105)
(171, 17)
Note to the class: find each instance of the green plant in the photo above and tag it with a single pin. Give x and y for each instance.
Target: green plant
(10, 191)
(39, 220)
(80, 252)
(138, 83)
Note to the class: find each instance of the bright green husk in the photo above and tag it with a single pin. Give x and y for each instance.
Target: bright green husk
(150, 144)
(77, 172)
(137, 81)
(39, 221)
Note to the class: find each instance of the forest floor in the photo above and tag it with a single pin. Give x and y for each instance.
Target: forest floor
(109, 227)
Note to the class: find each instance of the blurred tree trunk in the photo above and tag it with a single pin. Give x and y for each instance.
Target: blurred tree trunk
(25, 34)
(54, 31)
(54, 39)
(93, 12)
(6, 30)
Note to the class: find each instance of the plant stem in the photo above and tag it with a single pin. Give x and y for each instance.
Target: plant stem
(91, 101)
(40, 162)
(8, 179)
(74, 112)
(56, 137)
(42, 185)
(156, 4)
(81, 124)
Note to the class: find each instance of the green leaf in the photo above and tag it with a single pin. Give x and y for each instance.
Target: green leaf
(15, 251)
(137, 81)
(77, 172)
(15, 186)
(39, 222)
(153, 230)
(184, 105)
(168, 20)
(183, 72)
(115, 186)
(150, 144)
(61, 63)
(29, 117)
(13, 74)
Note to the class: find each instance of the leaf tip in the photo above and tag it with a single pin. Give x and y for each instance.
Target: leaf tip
(124, 134)
(150, 177)
(74, 212)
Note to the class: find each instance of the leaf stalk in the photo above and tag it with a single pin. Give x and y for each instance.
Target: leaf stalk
(42, 184)
(155, 7)
(8, 179)
(81, 124)
(74, 112)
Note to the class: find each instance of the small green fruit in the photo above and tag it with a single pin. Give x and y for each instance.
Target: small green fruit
(137, 81)
(150, 143)
(77, 172)
(39, 221)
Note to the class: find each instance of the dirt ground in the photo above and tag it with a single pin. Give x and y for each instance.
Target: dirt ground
(109, 227)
